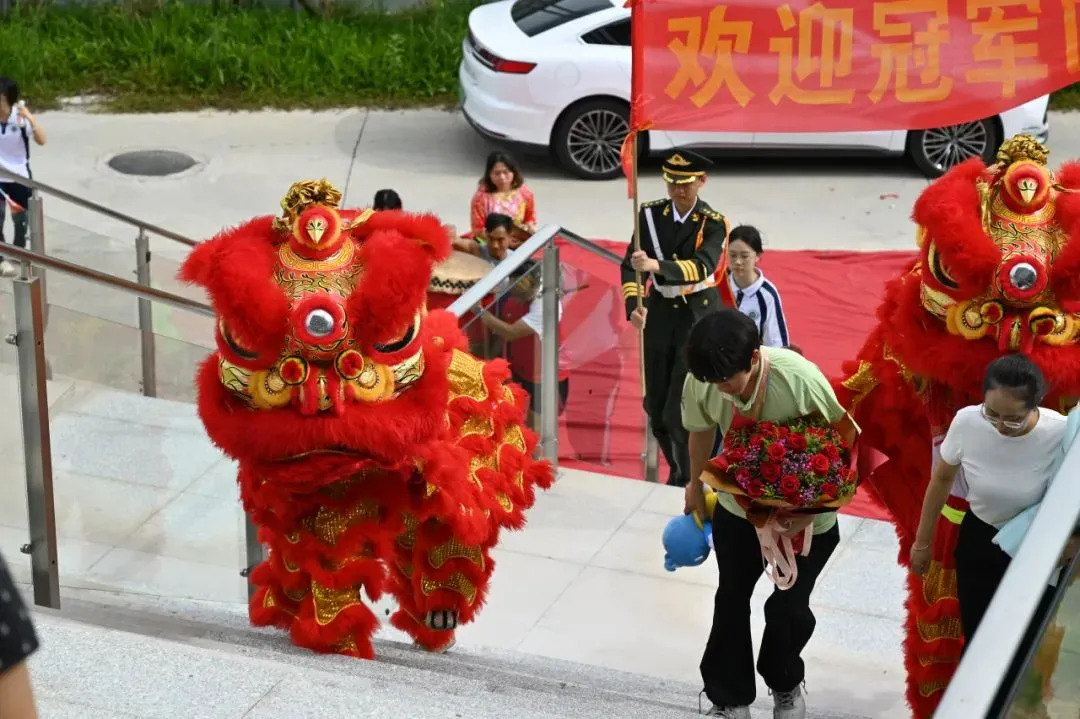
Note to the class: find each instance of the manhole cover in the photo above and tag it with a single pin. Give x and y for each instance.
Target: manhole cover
(152, 163)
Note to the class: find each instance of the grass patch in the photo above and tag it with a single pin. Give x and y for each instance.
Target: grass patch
(1066, 99)
(174, 56)
(150, 56)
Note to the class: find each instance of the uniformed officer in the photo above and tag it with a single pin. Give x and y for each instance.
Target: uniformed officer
(682, 244)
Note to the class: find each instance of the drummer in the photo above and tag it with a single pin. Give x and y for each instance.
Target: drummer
(494, 244)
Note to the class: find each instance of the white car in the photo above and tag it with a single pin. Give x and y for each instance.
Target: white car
(555, 75)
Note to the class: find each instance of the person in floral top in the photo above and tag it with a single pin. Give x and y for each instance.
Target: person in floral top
(502, 190)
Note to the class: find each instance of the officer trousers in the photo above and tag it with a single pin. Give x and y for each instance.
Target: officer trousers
(667, 328)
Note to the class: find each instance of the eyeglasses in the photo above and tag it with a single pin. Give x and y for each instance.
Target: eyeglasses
(1007, 423)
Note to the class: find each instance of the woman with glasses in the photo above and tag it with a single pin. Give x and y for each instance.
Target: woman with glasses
(1003, 450)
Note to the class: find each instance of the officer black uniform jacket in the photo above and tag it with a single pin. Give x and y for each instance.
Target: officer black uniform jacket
(691, 248)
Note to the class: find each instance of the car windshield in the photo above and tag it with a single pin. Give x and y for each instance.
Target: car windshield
(536, 16)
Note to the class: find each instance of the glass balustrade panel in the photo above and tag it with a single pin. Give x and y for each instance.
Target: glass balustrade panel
(144, 502)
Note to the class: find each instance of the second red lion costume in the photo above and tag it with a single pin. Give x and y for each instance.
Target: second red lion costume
(998, 272)
(375, 455)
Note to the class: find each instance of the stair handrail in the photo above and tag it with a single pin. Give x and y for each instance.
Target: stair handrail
(9, 176)
(29, 339)
(28, 258)
(602, 252)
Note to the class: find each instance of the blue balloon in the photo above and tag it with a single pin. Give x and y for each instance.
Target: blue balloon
(685, 544)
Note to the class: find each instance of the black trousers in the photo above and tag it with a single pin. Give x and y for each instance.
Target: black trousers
(980, 567)
(533, 390)
(20, 194)
(727, 667)
(666, 331)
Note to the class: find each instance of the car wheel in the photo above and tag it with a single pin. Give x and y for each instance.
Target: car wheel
(588, 138)
(939, 149)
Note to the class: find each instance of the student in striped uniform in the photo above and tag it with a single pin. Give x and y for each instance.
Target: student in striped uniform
(682, 245)
(755, 296)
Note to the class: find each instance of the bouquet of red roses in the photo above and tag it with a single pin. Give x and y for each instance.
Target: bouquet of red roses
(802, 464)
(776, 469)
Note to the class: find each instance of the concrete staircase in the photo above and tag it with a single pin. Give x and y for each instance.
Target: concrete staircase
(581, 620)
(126, 656)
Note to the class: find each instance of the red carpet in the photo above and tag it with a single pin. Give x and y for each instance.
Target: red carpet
(829, 299)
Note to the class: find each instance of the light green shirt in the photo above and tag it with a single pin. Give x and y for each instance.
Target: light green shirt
(796, 387)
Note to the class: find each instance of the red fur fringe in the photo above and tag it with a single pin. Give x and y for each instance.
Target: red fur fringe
(402, 249)
(1066, 272)
(367, 520)
(949, 210)
(236, 268)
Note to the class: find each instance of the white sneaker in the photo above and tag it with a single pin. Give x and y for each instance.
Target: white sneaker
(7, 269)
(789, 705)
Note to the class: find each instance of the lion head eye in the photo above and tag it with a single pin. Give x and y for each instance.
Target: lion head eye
(319, 323)
(938, 268)
(401, 342)
(1023, 276)
(235, 344)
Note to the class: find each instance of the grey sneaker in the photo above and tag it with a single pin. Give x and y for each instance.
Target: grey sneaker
(7, 269)
(789, 705)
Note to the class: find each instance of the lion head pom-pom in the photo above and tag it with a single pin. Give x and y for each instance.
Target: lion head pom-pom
(303, 195)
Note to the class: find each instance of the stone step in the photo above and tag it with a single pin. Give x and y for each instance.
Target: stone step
(122, 655)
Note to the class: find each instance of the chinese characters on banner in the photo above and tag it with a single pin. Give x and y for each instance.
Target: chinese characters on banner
(845, 65)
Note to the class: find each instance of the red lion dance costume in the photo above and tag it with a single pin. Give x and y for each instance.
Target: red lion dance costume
(374, 453)
(998, 272)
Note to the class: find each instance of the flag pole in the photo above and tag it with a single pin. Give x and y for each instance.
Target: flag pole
(637, 247)
(637, 49)
(650, 441)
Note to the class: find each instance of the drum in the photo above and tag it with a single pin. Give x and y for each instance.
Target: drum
(450, 280)
(456, 275)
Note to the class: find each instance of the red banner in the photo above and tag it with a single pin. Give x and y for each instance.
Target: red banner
(846, 65)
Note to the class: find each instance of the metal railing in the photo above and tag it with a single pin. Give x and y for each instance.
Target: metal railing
(545, 240)
(86, 204)
(148, 381)
(29, 339)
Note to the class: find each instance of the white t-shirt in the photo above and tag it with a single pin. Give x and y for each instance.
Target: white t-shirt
(14, 145)
(1005, 475)
(534, 318)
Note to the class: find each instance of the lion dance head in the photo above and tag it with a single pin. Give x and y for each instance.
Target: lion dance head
(323, 339)
(997, 271)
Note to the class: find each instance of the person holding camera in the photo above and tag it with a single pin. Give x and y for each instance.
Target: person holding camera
(17, 126)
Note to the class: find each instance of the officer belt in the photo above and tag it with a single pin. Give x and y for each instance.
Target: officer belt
(674, 293)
